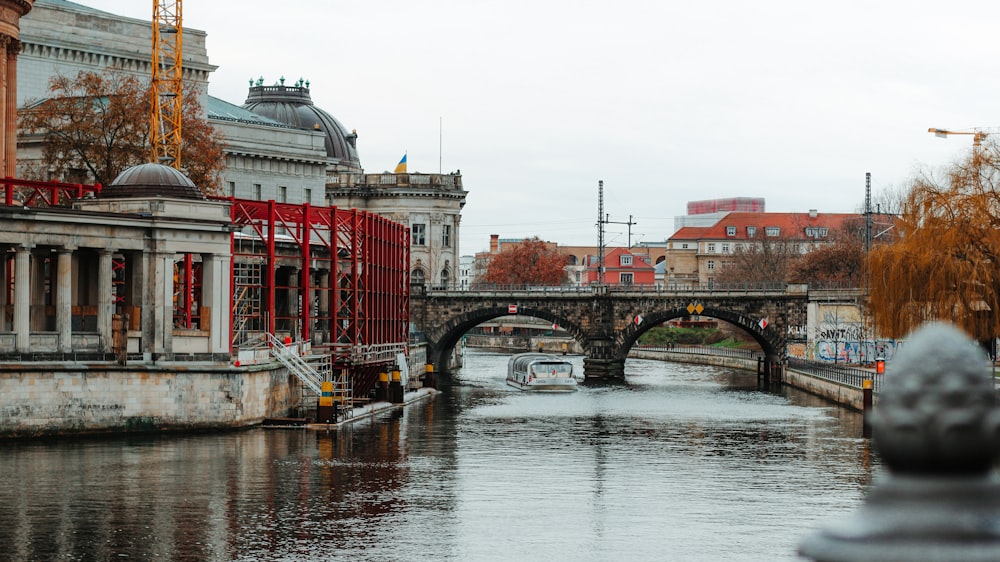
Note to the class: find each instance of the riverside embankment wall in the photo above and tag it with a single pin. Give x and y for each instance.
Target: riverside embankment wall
(60, 399)
(518, 344)
(841, 394)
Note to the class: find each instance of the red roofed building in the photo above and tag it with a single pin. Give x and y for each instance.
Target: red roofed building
(694, 253)
(621, 267)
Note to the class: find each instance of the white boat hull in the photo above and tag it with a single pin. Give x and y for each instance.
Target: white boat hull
(540, 372)
(556, 385)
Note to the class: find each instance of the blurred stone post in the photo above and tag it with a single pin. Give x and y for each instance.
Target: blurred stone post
(936, 428)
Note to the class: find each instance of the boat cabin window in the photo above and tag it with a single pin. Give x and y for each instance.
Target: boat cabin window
(552, 369)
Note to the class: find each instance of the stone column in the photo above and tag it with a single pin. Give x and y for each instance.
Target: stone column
(215, 296)
(11, 12)
(6, 116)
(164, 280)
(10, 153)
(64, 298)
(157, 304)
(22, 298)
(5, 273)
(105, 299)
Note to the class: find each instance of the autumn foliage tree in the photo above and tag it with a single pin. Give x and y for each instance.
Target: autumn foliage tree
(96, 124)
(530, 262)
(759, 260)
(837, 262)
(943, 263)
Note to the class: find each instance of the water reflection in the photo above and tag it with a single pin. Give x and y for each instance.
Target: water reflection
(682, 462)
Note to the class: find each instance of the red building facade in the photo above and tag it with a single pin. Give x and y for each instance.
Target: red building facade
(621, 267)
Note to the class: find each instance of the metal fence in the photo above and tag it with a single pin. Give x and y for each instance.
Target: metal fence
(849, 376)
(704, 350)
(660, 288)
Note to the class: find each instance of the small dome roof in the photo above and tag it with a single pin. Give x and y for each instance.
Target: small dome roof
(293, 106)
(152, 180)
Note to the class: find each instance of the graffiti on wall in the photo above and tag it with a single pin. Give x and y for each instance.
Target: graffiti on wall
(855, 352)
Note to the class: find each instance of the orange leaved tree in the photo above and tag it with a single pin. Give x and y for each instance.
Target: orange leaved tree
(944, 262)
(529, 262)
(95, 125)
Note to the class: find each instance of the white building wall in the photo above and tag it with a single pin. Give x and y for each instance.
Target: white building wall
(65, 38)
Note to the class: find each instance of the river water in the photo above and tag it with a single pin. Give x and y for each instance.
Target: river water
(683, 462)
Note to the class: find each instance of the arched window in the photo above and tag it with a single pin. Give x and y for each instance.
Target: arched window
(417, 277)
(445, 278)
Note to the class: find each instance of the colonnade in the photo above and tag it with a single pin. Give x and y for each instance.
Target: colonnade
(62, 300)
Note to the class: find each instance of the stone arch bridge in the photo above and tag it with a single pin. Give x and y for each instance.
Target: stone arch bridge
(607, 321)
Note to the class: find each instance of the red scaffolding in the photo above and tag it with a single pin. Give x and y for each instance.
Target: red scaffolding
(335, 277)
(30, 193)
(338, 278)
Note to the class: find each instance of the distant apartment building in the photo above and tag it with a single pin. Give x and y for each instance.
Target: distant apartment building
(621, 267)
(696, 253)
(466, 272)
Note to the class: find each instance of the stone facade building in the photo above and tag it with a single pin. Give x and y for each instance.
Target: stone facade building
(62, 37)
(65, 286)
(269, 160)
(430, 204)
(279, 145)
(11, 12)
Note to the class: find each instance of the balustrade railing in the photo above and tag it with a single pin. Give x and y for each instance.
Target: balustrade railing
(656, 288)
(703, 350)
(849, 376)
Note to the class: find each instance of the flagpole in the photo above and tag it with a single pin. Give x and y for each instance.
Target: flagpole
(440, 120)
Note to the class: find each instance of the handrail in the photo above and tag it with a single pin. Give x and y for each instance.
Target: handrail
(753, 354)
(850, 376)
(295, 364)
(659, 288)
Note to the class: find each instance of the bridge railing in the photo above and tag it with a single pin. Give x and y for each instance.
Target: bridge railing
(849, 376)
(704, 350)
(655, 288)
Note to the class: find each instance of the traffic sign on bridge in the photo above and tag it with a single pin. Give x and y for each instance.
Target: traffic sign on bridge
(695, 308)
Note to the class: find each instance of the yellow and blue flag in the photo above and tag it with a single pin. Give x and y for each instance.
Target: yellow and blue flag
(401, 167)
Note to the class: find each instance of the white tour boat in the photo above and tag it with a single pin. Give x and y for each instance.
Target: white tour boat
(540, 371)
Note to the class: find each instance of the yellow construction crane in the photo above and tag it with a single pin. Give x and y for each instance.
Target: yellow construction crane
(977, 136)
(167, 84)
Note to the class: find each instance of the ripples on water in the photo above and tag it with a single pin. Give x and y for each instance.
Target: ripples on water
(683, 462)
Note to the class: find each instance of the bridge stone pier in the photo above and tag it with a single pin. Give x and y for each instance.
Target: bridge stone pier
(608, 321)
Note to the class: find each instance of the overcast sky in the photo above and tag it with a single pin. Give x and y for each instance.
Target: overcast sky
(667, 102)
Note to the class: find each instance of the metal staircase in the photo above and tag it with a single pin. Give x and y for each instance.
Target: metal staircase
(342, 388)
(295, 364)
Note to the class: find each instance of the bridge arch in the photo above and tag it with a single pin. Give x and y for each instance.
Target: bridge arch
(768, 338)
(603, 321)
(441, 343)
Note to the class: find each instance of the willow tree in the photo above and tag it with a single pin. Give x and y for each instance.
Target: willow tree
(943, 264)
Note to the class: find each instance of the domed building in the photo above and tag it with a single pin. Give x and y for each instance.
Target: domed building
(151, 180)
(279, 145)
(292, 106)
